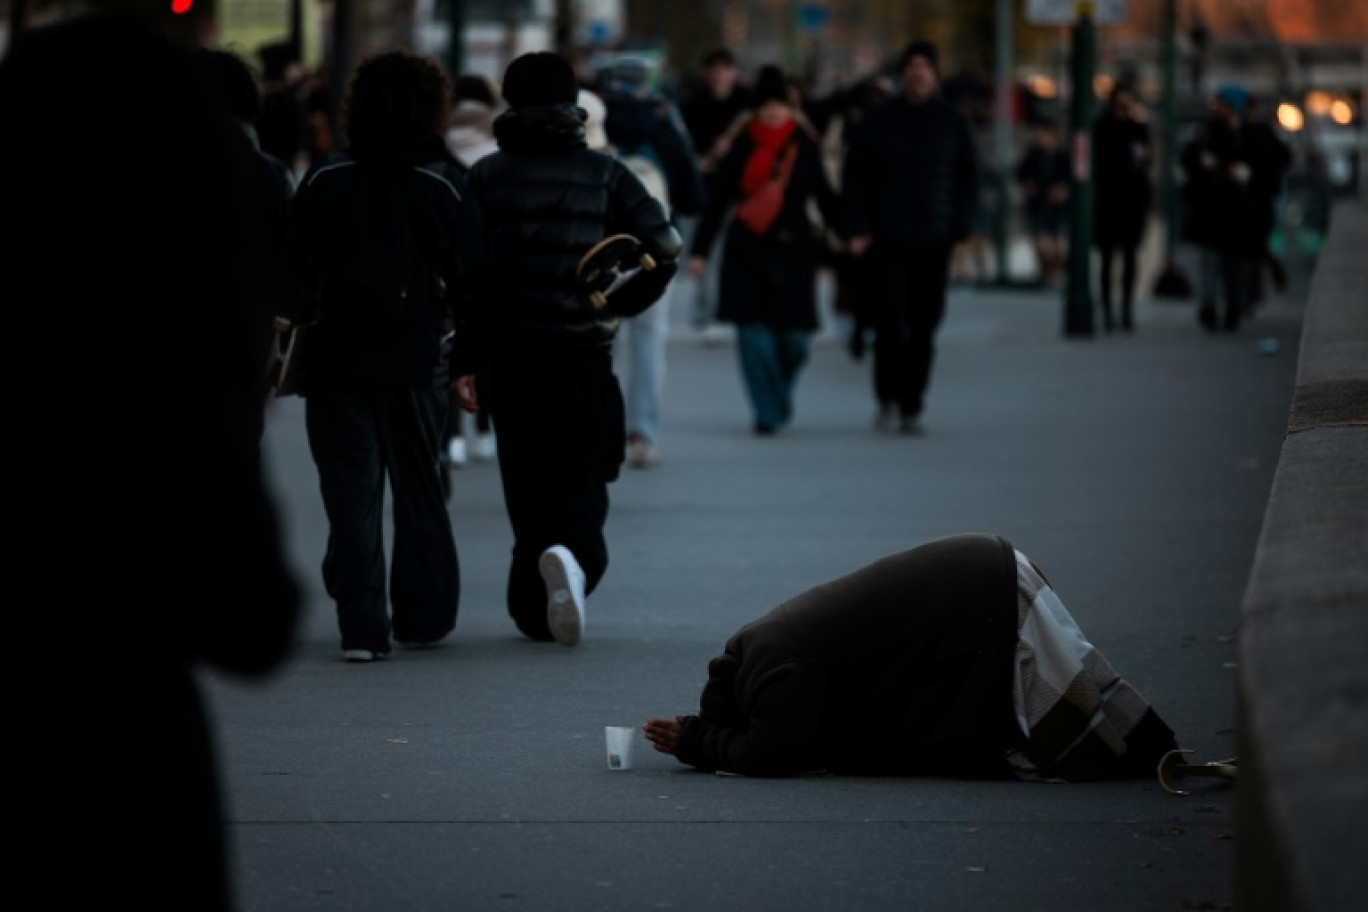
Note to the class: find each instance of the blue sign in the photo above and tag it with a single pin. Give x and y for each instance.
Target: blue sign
(813, 17)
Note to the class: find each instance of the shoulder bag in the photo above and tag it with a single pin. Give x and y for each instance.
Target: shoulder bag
(759, 210)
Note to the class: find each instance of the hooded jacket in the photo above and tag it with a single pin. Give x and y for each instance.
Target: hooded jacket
(547, 199)
(633, 122)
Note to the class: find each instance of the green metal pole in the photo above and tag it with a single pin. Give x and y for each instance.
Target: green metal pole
(1078, 304)
(1168, 153)
(456, 22)
(1003, 150)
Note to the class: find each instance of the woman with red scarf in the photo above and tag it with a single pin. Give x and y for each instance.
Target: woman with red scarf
(768, 280)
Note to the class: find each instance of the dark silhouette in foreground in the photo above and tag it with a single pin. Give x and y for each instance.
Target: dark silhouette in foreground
(147, 535)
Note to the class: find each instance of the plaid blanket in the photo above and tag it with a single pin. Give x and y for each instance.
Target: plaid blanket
(1080, 719)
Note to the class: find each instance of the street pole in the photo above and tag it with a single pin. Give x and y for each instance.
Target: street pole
(1168, 153)
(345, 44)
(563, 35)
(1078, 305)
(456, 22)
(1002, 133)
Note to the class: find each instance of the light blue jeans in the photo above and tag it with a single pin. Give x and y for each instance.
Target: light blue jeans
(645, 335)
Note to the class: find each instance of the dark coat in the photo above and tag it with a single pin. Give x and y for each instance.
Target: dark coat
(708, 119)
(425, 185)
(1039, 172)
(546, 199)
(1121, 181)
(771, 278)
(1222, 213)
(179, 572)
(911, 176)
(904, 667)
(1270, 159)
(633, 122)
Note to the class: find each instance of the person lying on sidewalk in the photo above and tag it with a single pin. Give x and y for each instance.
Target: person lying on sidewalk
(952, 658)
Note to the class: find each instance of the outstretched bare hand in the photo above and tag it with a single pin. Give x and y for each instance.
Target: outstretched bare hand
(664, 733)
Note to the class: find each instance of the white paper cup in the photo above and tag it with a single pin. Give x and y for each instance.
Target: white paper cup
(620, 740)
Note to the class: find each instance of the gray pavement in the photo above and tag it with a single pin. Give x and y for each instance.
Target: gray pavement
(1134, 469)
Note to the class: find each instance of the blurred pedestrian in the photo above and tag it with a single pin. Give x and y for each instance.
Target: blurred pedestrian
(911, 181)
(1224, 210)
(284, 129)
(137, 256)
(645, 130)
(953, 658)
(769, 277)
(1271, 159)
(711, 111)
(470, 137)
(1122, 152)
(233, 80)
(389, 245)
(854, 295)
(550, 387)
(1043, 174)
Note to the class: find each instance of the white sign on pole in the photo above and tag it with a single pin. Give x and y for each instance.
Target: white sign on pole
(1066, 12)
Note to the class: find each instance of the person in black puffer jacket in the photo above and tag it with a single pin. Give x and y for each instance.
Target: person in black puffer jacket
(911, 182)
(555, 402)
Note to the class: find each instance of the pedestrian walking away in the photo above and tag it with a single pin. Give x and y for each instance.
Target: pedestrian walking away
(1271, 157)
(545, 352)
(911, 181)
(1225, 211)
(233, 80)
(952, 658)
(769, 273)
(1043, 173)
(644, 129)
(389, 243)
(470, 137)
(1122, 152)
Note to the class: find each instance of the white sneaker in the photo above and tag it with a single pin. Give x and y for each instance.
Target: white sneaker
(362, 655)
(456, 452)
(564, 594)
(485, 449)
(641, 454)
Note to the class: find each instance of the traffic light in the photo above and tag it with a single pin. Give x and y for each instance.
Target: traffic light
(181, 7)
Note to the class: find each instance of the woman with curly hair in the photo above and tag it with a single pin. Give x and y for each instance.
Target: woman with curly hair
(387, 246)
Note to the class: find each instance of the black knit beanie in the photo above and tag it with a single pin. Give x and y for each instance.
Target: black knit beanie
(919, 49)
(540, 78)
(770, 85)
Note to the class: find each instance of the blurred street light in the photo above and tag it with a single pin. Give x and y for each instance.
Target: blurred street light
(1290, 117)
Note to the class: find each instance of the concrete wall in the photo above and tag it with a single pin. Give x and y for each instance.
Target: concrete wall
(1302, 796)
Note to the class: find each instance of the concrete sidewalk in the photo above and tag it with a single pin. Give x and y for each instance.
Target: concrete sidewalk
(1134, 469)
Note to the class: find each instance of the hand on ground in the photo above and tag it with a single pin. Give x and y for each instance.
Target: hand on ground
(664, 733)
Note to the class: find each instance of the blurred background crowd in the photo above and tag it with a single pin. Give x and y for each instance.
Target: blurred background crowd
(1005, 62)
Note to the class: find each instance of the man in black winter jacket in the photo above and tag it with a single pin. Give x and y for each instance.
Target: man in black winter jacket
(548, 351)
(911, 181)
